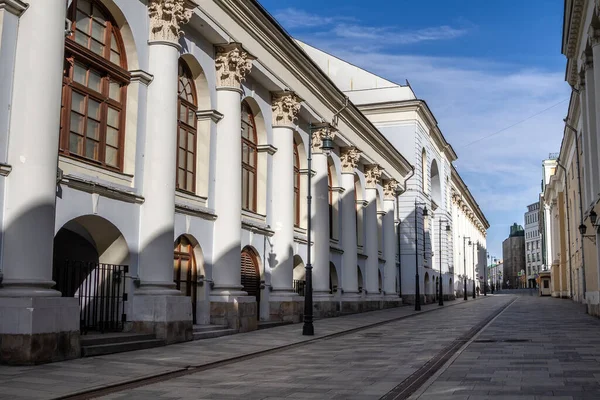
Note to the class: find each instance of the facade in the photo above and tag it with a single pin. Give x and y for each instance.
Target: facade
(533, 244)
(513, 254)
(496, 274)
(434, 243)
(575, 193)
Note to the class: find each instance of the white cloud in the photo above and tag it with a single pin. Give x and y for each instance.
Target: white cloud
(292, 18)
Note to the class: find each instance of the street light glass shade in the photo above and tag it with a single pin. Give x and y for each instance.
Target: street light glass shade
(425, 212)
(327, 145)
(593, 217)
(582, 229)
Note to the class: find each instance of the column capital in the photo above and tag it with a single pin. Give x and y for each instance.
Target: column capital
(373, 174)
(16, 7)
(350, 156)
(390, 187)
(594, 36)
(285, 107)
(167, 17)
(587, 60)
(233, 63)
(320, 132)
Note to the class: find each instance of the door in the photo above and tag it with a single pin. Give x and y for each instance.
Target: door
(185, 272)
(251, 276)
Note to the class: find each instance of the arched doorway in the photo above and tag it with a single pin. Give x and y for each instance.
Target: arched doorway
(90, 263)
(251, 275)
(360, 281)
(426, 287)
(380, 281)
(185, 271)
(333, 279)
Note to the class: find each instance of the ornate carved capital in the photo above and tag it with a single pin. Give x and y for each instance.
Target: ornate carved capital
(587, 60)
(593, 36)
(319, 133)
(167, 17)
(372, 175)
(390, 188)
(232, 64)
(285, 107)
(350, 157)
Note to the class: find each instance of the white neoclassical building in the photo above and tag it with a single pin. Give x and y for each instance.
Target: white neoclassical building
(159, 179)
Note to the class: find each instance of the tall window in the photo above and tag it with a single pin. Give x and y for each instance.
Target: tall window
(424, 170)
(330, 203)
(249, 159)
(296, 186)
(94, 87)
(186, 128)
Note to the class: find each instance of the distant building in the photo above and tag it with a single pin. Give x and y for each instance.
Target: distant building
(513, 253)
(533, 244)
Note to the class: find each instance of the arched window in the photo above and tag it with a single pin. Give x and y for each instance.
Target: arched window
(296, 186)
(94, 87)
(424, 171)
(249, 159)
(186, 128)
(330, 203)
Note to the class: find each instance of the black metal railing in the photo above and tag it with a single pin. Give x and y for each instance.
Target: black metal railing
(299, 287)
(100, 289)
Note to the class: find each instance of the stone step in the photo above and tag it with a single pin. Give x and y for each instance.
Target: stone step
(272, 324)
(112, 338)
(207, 328)
(102, 349)
(213, 333)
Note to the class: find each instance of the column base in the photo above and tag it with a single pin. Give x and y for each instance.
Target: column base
(167, 317)
(286, 308)
(237, 312)
(37, 330)
(325, 306)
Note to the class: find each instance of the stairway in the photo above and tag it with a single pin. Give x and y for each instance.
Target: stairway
(211, 331)
(109, 343)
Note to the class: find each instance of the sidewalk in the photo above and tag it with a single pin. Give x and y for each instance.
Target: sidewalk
(70, 377)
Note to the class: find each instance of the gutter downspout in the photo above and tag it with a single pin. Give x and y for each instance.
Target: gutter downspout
(398, 264)
(568, 226)
(580, 202)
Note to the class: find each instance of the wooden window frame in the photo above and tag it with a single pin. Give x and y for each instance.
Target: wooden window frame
(183, 125)
(247, 168)
(76, 53)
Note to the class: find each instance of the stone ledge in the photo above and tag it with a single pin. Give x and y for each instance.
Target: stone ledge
(39, 348)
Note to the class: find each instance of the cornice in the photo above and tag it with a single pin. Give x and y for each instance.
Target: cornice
(266, 148)
(214, 115)
(138, 75)
(201, 212)
(572, 27)
(256, 227)
(103, 190)
(468, 197)
(16, 7)
(269, 34)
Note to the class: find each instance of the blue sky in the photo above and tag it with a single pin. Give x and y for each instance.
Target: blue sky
(481, 66)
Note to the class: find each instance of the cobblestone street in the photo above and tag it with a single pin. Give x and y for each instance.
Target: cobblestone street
(535, 348)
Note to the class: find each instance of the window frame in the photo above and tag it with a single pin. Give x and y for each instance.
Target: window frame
(247, 168)
(77, 54)
(188, 129)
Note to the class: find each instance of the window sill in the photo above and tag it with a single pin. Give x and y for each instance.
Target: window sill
(72, 166)
(190, 198)
(254, 217)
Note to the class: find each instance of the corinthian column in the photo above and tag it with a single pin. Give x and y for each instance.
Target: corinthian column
(350, 157)
(232, 64)
(594, 142)
(372, 175)
(285, 107)
(157, 306)
(389, 238)
(320, 213)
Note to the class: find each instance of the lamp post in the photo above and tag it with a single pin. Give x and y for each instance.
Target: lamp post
(473, 270)
(441, 300)
(327, 145)
(465, 265)
(417, 290)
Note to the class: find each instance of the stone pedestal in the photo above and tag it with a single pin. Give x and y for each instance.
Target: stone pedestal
(326, 307)
(239, 312)
(286, 309)
(36, 330)
(168, 317)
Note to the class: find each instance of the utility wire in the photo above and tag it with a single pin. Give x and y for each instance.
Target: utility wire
(515, 124)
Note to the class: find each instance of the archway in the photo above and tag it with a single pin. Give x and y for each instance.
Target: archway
(436, 184)
(187, 266)
(90, 262)
(360, 281)
(380, 281)
(299, 275)
(333, 279)
(251, 274)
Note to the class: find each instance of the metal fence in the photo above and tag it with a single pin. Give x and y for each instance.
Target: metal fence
(100, 289)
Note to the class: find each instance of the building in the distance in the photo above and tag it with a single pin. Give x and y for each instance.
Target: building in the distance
(533, 244)
(513, 253)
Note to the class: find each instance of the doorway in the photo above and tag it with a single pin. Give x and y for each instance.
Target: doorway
(251, 276)
(185, 273)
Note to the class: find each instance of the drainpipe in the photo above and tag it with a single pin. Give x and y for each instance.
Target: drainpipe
(412, 173)
(580, 201)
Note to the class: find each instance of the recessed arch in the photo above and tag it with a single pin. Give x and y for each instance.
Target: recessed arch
(188, 265)
(361, 282)
(424, 170)
(436, 183)
(333, 279)
(250, 274)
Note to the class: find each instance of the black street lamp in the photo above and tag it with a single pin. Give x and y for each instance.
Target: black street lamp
(417, 289)
(308, 328)
(474, 269)
(465, 265)
(441, 300)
